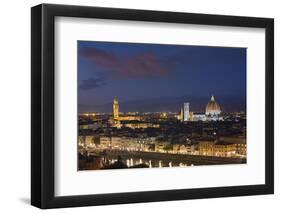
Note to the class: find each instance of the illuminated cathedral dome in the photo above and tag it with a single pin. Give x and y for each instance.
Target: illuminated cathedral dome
(213, 107)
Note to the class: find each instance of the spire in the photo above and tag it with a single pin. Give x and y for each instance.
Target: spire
(212, 98)
(115, 109)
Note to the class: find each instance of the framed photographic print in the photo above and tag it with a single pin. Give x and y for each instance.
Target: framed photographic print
(139, 106)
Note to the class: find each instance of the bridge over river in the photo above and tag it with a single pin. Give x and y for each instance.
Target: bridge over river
(167, 158)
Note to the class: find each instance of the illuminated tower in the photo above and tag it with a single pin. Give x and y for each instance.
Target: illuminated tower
(185, 111)
(115, 109)
(181, 115)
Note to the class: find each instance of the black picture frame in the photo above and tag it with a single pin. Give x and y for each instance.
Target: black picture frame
(43, 111)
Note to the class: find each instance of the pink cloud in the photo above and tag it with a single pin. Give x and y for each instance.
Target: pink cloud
(136, 66)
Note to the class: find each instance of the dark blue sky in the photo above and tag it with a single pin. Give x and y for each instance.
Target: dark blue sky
(157, 74)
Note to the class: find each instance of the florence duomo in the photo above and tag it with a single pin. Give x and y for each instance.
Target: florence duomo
(212, 112)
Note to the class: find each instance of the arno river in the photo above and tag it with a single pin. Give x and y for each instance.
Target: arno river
(137, 159)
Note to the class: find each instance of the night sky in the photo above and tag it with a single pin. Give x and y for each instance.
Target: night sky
(157, 77)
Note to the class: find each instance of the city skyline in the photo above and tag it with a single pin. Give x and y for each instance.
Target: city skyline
(146, 77)
(163, 105)
(155, 105)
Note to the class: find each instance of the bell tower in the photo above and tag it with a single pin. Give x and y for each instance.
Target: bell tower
(115, 109)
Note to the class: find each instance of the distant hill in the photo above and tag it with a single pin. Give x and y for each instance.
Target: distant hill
(173, 104)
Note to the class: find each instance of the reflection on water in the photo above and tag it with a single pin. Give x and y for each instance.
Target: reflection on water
(131, 162)
(93, 162)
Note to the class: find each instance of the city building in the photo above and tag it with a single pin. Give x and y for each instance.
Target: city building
(197, 116)
(90, 126)
(116, 143)
(218, 149)
(180, 115)
(186, 112)
(240, 142)
(141, 125)
(105, 142)
(241, 149)
(117, 116)
(115, 109)
(89, 141)
(117, 124)
(191, 118)
(182, 149)
(161, 147)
